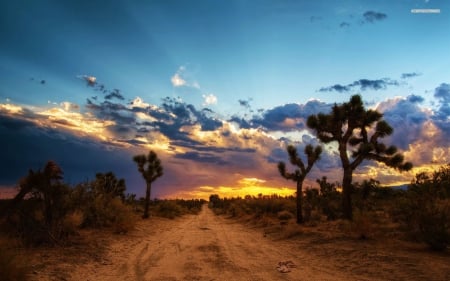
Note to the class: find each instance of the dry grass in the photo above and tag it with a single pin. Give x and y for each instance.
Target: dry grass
(13, 264)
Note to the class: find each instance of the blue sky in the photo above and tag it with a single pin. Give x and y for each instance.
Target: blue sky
(241, 60)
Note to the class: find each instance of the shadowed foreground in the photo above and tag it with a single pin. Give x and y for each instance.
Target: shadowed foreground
(208, 247)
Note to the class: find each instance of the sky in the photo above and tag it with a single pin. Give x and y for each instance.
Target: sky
(217, 88)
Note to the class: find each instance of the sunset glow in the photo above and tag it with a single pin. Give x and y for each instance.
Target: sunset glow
(217, 88)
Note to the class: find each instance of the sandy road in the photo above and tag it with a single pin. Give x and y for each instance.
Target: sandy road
(202, 247)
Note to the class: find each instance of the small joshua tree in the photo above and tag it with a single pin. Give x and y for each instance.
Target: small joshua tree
(299, 175)
(151, 168)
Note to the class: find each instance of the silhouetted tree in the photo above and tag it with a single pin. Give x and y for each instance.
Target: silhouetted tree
(348, 124)
(299, 174)
(328, 197)
(151, 168)
(108, 184)
(49, 196)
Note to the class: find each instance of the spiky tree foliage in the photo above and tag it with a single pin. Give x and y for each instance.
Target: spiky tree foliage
(349, 124)
(109, 185)
(49, 197)
(151, 168)
(299, 174)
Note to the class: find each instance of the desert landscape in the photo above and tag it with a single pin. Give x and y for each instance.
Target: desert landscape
(210, 247)
(224, 140)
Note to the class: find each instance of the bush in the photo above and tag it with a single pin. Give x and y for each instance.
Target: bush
(285, 215)
(168, 209)
(425, 209)
(104, 211)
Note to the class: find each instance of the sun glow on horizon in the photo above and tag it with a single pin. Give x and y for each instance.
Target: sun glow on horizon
(243, 187)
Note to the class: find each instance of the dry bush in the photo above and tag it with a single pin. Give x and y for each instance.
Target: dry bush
(13, 266)
(104, 211)
(167, 209)
(285, 215)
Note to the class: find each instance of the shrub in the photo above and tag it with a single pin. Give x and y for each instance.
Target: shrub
(168, 209)
(285, 215)
(425, 209)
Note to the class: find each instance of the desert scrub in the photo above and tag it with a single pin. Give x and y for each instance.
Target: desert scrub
(167, 209)
(424, 210)
(285, 215)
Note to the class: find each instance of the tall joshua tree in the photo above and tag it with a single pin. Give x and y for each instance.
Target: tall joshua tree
(151, 168)
(313, 154)
(349, 125)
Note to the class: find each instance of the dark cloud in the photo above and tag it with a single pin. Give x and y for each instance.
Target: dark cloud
(337, 87)
(275, 119)
(202, 157)
(372, 16)
(114, 94)
(415, 98)
(14, 124)
(407, 119)
(29, 146)
(442, 113)
(344, 24)
(245, 103)
(410, 75)
(243, 123)
(362, 85)
(442, 92)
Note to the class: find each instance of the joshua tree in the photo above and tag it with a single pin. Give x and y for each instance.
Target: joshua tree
(349, 124)
(108, 184)
(299, 174)
(151, 168)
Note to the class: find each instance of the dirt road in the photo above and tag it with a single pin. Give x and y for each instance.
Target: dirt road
(209, 247)
(203, 247)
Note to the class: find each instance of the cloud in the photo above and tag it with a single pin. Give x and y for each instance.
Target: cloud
(202, 157)
(372, 16)
(442, 92)
(344, 24)
(245, 103)
(177, 81)
(362, 85)
(68, 106)
(114, 94)
(90, 80)
(183, 77)
(406, 117)
(410, 75)
(415, 99)
(290, 117)
(209, 99)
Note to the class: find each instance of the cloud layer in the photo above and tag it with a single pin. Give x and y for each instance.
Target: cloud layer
(202, 152)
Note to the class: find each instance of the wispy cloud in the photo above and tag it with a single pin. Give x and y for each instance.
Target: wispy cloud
(183, 78)
(372, 16)
(410, 75)
(177, 81)
(362, 85)
(209, 99)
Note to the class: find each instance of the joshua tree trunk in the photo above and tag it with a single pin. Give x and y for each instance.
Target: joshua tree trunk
(299, 201)
(347, 194)
(147, 200)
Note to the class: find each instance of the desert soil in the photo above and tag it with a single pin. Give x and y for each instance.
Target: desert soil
(209, 247)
